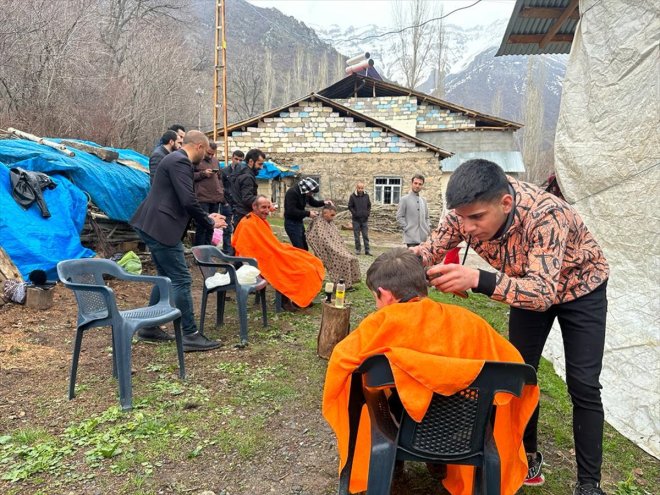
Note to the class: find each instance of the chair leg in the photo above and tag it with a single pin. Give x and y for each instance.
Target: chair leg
(242, 297)
(381, 464)
(264, 309)
(123, 340)
(202, 314)
(178, 335)
(278, 302)
(221, 299)
(491, 466)
(74, 363)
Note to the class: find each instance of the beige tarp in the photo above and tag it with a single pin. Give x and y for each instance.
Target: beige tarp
(607, 158)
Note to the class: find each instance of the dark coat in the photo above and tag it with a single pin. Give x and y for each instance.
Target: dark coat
(171, 202)
(360, 207)
(229, 175)
(158, 154)
(295, 202)
(245, 190)
(208, 189)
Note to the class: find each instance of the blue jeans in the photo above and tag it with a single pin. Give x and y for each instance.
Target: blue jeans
(170, 262)
(226, 210)
(296, 232)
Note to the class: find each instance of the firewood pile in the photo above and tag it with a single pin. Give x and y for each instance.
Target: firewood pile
(382, 218)
(107, 236)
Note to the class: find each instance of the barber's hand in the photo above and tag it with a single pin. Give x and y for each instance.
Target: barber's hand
(218, 220)
(313, 214)
(453, 278)
(328, 202)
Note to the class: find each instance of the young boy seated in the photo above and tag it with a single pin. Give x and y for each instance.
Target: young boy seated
(432, 348)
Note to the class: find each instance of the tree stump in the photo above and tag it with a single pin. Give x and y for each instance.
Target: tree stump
(335, 325)
(38, 298)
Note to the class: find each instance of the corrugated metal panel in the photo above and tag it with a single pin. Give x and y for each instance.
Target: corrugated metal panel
(510, 161)
(522, 25)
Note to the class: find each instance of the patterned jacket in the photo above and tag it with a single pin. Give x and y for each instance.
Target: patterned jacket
(547, 256)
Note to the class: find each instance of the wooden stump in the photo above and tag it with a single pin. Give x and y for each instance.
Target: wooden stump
(8, 271)
(37, 298)
(335, 325)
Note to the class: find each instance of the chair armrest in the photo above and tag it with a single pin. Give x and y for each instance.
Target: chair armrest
(164, 284)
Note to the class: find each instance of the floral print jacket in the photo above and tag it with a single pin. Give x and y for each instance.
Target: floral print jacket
(547, 255)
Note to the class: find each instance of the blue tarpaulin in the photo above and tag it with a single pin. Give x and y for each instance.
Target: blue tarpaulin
(271, 170)
(34, 242)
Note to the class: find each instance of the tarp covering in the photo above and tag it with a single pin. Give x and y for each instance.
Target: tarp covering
(271, 170)
(34, 242)
(607, 152)
(116, 189)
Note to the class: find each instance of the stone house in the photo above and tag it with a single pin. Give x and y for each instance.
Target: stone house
(362, 129)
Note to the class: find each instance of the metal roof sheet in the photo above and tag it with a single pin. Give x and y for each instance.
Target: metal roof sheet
(519, 25)
(510, 161)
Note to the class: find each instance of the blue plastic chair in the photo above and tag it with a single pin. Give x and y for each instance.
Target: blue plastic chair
(97, 308)
(457, 429)
(212, 260)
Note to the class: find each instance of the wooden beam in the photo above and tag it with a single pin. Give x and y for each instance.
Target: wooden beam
(537, 38)
(545, 13)
(556, 26)
(102, 153)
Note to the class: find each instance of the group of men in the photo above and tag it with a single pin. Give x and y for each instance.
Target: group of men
(547, 266)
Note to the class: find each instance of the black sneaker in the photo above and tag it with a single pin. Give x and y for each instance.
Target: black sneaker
(368, 254)
(153, 334)
(196, 342)
(534, 475)
(588, 489)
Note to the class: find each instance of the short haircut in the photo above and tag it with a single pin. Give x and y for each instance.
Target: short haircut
(474, 181)
(238, 154)
(399, 271)
(254, 155)
(328, 206)
(418, 176)
(195, 137)
(168, 136)
(213, 145)
(256, 200)
(177, 128)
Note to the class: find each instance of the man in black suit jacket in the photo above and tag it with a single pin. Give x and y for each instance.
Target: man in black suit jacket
(161, 222)
(170, 141)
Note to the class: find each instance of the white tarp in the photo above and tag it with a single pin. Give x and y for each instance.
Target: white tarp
(607, 152)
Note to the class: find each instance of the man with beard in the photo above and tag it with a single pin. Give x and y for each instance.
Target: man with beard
(245, 185)
(169, 141)
(161, 221)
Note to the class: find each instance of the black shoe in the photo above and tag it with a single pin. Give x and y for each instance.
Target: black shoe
(153, 334)
(588, 489)
(196, 342)
(368, 254)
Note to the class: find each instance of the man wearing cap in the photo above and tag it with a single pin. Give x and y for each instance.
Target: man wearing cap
(296, 198)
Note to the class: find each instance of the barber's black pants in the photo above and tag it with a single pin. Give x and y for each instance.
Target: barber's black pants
(582, 324)
(296, 232)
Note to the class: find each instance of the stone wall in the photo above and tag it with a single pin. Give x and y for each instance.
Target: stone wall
(433, 117)
(470, 141)
(317, 128)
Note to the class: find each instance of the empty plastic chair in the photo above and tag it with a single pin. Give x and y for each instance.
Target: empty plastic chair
(212, 261)
(97, 308)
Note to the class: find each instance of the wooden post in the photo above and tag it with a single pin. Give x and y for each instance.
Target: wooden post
(335, 325)
(37, 298)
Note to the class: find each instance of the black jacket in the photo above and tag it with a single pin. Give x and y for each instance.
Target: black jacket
(229, 175)
(245, 190)
(158, 154)
(166, 211)
(360, 207)
(295, 202)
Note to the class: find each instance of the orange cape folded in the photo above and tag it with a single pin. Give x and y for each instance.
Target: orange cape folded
(294, 272)
(432, 348)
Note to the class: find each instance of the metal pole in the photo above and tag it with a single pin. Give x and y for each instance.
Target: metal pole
(215, 70)
(224, 83)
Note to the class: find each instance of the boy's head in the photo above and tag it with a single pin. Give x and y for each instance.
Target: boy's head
(396, 275)
(329, 212)
(478, 192)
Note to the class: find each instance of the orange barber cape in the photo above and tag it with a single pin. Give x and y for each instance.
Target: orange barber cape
(431, 347)
(294, 272)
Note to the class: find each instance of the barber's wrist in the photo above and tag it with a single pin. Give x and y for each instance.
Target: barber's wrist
(485, 283)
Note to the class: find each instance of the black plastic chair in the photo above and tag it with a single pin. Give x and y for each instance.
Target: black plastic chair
(97, 308)
(212, 260)
(456, 429)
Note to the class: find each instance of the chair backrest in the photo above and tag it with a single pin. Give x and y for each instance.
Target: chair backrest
(210, 254)
(90, 272)
(455, 426)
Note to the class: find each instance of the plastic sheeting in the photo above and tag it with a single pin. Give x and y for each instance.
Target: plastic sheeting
(116, 189)
(271, 170)
(607, 152)
(34, 242)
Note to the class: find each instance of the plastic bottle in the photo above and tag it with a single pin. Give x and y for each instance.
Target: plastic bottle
(340, 294)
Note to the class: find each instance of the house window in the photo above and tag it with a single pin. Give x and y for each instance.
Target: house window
(387, 190)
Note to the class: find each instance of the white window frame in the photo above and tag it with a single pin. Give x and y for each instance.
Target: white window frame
(392, 188)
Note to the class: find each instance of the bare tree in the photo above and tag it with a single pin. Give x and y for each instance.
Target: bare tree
(536, 161)
(440, 69)
(269, 79)
(415, 42)
(244, 87)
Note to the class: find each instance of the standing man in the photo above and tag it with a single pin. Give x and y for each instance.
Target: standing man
(229, 173)
(359, 205)
(179, 129)
(209, 190)
(245, 184)
(413, 214)
(169, 141)
(161, 221)
(296, 198)
(548, 266)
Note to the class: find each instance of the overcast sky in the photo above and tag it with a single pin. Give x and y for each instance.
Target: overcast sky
(358, 13)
